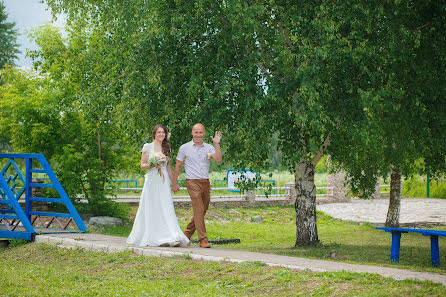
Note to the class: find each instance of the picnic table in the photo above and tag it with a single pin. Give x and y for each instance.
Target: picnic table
(396, 241)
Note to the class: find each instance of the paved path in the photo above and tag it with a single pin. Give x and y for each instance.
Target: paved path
(413, 212)
(106, 243)
(421, 212)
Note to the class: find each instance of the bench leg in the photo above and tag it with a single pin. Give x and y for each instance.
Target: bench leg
(395, 249)
(435, 252)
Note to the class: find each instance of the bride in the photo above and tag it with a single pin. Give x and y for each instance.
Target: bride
(156, 223)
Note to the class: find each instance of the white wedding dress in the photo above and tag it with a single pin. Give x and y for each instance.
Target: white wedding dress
(156, 223)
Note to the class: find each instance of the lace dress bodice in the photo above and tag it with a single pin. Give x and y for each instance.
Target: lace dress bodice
(150, 149)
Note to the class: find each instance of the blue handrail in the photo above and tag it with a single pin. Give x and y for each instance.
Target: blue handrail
(15, 213)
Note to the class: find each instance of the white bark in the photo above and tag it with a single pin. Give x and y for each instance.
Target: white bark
(305, 204)
(393, 214)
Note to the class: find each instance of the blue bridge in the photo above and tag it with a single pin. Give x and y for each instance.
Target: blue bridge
(19, 217)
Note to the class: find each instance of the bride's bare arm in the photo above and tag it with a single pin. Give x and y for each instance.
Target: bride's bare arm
(144, 159)
(169, 171)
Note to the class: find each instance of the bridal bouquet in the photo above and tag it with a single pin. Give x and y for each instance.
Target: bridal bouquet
(156, 158)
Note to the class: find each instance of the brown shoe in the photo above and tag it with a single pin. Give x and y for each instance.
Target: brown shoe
(204, 243)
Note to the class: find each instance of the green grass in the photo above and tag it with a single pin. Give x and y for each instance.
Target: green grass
(44, 270)
(349, 242)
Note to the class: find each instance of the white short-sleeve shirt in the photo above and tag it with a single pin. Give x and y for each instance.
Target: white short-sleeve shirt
(195, 159)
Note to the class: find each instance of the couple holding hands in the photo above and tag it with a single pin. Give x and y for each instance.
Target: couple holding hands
(156, 223)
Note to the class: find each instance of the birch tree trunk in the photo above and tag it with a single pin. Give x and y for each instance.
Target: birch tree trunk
(393, 214)
(305, 204)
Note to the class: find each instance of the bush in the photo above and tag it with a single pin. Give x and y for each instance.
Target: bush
(416, 187)
(16, 242)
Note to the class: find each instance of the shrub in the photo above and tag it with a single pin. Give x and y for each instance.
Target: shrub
(416, 187)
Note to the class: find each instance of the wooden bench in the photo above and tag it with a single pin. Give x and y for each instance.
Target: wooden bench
(396, 239)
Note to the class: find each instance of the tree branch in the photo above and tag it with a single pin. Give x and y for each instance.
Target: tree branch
(286, 35)
(263, 68)
(321, 150)
(324, 146)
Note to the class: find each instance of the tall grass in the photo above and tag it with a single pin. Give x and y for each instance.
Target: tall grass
(417, 187)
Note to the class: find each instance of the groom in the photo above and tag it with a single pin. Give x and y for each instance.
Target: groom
(196, 156)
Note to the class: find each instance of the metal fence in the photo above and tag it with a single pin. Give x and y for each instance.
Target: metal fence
(279, 192)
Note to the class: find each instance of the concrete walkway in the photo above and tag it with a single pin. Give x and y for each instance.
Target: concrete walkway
(414, 211)
(111, 244)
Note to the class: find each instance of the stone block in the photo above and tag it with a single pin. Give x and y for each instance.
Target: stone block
(105, 221)
(292, 190)
(250, 197)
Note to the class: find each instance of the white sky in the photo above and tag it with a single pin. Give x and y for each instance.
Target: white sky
(28, 14)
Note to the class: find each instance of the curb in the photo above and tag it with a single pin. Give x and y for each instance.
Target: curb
(300, 264)
(112, 248)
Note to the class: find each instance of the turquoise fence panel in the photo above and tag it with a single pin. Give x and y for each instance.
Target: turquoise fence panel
(127, 182)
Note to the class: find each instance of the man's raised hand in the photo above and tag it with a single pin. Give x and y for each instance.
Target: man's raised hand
(216, 139)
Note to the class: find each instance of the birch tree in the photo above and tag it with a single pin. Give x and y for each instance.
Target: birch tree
(406, 117)
(304, 71)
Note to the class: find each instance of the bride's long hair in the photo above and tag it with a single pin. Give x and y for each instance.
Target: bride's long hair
(165, 145)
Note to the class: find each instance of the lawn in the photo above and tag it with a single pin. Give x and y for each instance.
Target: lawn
(339, 240)
(45, 270)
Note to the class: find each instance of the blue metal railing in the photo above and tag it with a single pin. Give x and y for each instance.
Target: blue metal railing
(220, 183)
(11, 218)
(223, 183)
(263, 182)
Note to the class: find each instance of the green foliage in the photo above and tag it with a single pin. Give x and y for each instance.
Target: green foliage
(8, 39)
(321, 166)
(403, 99)
(31, 127)
(43, 112)
(250, 70)
(339, 78)
(275, 161)
(14, 243)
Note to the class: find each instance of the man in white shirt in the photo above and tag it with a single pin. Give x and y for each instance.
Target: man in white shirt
(196, 156)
